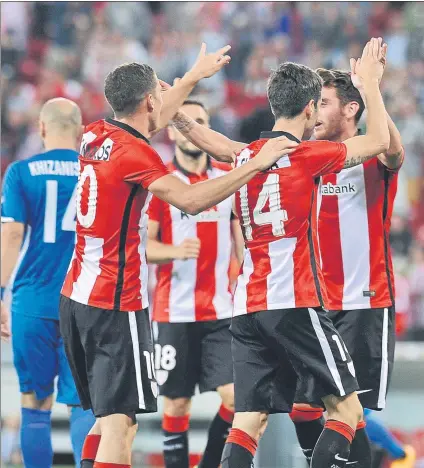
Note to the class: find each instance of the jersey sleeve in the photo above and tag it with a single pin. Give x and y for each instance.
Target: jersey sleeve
(142, 165)
(13, 203)
(155, 209)
(324, 157)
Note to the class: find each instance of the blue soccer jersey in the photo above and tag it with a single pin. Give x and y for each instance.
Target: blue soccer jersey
(40, 192)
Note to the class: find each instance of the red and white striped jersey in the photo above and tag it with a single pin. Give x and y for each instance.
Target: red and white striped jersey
(195, 289)
(109, 269)
(277, 211)
(354, 222)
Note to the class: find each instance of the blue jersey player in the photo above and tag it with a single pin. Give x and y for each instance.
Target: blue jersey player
(38, 237)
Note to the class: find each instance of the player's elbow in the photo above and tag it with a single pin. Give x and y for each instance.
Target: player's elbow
(12, 233)
(193, 208)
(378, 145)
(191, 205)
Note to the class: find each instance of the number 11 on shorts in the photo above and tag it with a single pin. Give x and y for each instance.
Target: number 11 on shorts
(150, 364)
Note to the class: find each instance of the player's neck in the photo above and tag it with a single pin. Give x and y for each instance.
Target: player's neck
(346, 134)
(194, 165)
(60, 143)
(294, 126)
(141, 125)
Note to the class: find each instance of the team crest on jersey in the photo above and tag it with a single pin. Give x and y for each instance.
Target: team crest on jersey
(243, 157)
(335, 189)
(282, 162)
(209, 215)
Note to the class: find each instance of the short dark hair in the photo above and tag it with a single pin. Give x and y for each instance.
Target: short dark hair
(127, 85)
(290, 87)
(195, 102)
(341, 81)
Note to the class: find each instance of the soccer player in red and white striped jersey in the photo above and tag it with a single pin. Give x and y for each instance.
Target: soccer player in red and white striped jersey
(355, 209)
(192, 301)
(280, 333)
(103, 310)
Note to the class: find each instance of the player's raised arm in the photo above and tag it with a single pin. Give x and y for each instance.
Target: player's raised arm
(213, 143)
(370, 70)
(197, 197)
(393, 157)
(205, 66)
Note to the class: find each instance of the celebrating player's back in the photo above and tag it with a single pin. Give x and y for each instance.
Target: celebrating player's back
(107, 242)
(277, 212)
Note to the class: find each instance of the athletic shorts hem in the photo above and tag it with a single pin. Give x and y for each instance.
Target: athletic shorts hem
(65, 401)
(213, 388)
(99, 413)
(39, 395)
(262, 409)
(174, 395)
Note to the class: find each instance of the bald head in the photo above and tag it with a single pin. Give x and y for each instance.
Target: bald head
(60, 117)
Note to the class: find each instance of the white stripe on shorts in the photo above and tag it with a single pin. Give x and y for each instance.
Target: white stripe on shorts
(384, 362)
(329, 358)
(136, 351)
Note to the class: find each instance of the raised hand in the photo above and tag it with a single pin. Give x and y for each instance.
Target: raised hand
(207, 65)
(273, 150)
(356, 81)
(371, 65)
(355, 64)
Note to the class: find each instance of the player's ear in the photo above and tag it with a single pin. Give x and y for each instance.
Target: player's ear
(310, 109)
(351, 109)
(42, 129)
(150, 103)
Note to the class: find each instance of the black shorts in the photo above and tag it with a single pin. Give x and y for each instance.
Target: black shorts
(111, 358)
(369, 336)
(190, 354)
(273, 350)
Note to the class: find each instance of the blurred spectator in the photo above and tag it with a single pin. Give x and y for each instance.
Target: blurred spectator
(397, 40)
(416, 282)
(400, 236)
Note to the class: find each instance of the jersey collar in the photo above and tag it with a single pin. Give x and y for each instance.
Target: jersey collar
(127, 128)
(275, 134)
(188, 173)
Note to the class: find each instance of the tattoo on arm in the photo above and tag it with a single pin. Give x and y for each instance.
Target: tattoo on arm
(183, 123)
(351, 162)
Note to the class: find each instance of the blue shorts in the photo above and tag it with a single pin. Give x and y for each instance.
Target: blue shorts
(39, 357)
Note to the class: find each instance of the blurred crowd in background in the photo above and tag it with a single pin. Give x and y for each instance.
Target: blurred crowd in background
(66, 49)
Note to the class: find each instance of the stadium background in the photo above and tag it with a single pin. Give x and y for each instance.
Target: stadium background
(51, 49)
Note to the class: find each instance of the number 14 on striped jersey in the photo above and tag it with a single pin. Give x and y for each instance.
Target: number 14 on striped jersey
(276, 216)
